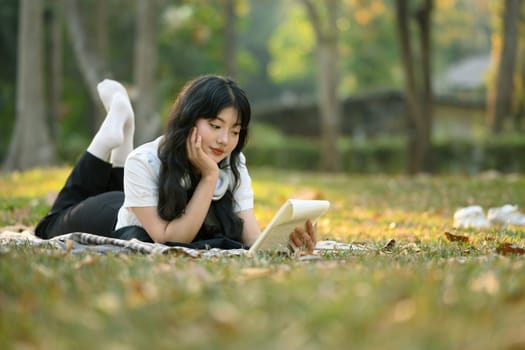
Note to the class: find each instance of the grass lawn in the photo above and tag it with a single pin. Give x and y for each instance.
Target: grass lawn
(424, 292)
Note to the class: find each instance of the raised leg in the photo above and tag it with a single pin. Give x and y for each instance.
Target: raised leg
(80, 205)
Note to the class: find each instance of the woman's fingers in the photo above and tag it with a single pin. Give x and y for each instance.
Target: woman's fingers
(310, 229)
(194, 145)
(308, 242)
(196, 155)
(302, 239)
(189, 144)
(294, 238)
(197, 139)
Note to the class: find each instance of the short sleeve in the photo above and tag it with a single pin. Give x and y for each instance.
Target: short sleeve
(141, 174)
(243, 194)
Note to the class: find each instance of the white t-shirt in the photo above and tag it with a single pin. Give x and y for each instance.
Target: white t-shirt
(141, 183)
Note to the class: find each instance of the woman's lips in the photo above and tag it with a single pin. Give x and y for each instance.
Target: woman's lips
(217, 151)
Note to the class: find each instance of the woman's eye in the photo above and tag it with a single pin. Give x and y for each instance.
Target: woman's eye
(236, 132)
(215, 126)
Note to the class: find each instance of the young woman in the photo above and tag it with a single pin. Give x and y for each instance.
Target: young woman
(188, 187)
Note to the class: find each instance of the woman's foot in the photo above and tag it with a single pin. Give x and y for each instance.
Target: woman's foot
(107, 89)
(119, 154)
(116, 130)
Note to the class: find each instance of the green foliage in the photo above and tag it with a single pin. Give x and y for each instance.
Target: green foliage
(276, 56)
(191, 42)
(461, 29)
(424, 292)
(291, 47)
(75, 130)
(369, 47)
(269, 148)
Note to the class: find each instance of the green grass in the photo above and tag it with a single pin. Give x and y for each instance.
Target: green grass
(424, 293)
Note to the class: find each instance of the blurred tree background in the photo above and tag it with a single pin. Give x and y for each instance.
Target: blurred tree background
(339, 85)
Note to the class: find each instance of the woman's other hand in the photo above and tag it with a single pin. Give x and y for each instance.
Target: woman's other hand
(303, 239)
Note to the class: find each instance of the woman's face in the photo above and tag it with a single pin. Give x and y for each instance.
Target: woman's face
(220, 135)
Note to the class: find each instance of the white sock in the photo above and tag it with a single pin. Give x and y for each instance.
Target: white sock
(119, 154)
(113, 131)
(107, 89)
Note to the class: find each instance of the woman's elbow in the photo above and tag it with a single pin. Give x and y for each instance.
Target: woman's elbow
(167, 235)
(158, 235)
(157, 239)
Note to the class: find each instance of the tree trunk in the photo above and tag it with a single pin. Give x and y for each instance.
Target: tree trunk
(56, 69)
(101, 45)
(102, 32)
(519, 95)
(418, 100)
(230, 38)
(89, 62)
(424, 21)
(502, 104)
(411, 95)
(327, 82)
(30, 144)
(146, 116)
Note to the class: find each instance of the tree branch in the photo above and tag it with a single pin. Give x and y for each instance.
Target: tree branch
(314, 18)
(89, 62)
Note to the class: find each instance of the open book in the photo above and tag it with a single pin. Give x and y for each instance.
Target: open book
(293, 213)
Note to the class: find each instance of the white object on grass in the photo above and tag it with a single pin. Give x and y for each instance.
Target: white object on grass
(506, 215)
(470, 217)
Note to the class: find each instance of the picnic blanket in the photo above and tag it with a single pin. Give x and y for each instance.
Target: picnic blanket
(77, 242)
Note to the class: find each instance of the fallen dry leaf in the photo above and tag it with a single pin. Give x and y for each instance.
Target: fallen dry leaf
(456, 238)
(389, 246)
(88, 260)
(140, 292)
(404, 310)
(410, 248)
(226, 316)
(254, 272)
(509, 249)
(487, 282)
(69, 246)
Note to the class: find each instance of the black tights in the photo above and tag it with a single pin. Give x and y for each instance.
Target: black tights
(88, 202)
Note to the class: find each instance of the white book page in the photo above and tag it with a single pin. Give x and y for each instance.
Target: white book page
(293, 213)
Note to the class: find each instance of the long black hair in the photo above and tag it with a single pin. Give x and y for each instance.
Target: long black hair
(203, 97)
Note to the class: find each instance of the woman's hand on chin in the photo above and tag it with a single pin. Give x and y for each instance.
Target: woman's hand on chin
(202, 163)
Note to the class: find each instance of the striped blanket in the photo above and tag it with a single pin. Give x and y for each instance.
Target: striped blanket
(80, 242)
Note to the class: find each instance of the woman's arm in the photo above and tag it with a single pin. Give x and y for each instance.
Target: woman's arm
(251, 230)
(185, 227)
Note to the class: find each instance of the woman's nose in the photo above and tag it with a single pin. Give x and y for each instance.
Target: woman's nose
(223, 138)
